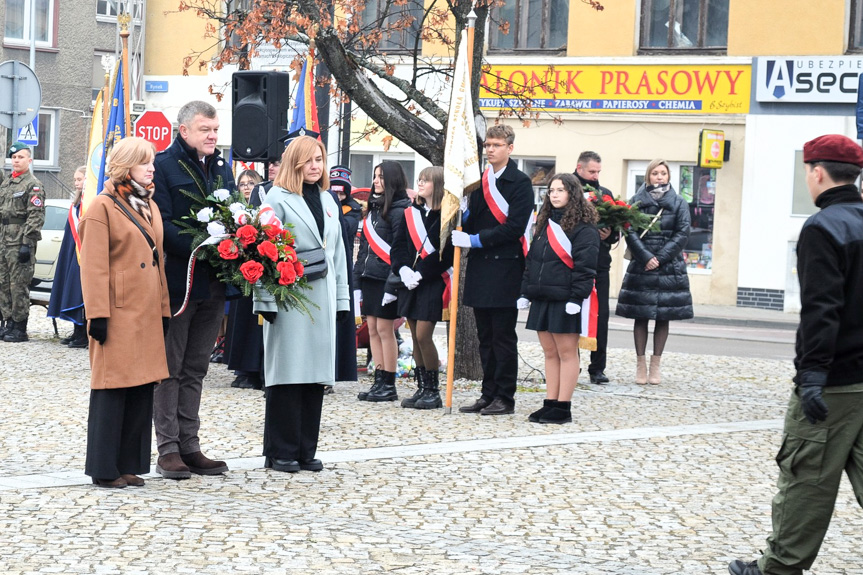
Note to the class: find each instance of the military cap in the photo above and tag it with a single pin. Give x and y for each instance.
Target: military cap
(833, 148)
(17, 147)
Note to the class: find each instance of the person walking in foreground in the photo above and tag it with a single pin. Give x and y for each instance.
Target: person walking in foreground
(425, 270)
(22, 213)
(559, 275)
(190, 165)
(495, 222)
(823, 431)
(126, 296)
(656, 284)
(300, 348)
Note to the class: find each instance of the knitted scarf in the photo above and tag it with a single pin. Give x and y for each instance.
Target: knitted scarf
(137, 196)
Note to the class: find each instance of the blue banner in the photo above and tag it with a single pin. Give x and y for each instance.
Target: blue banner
(115, 129)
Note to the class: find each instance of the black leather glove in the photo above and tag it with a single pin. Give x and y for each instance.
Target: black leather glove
(24, 254)
(343, 315)
(270, 316)
(166, 323)
(99, 329)
(813, 404)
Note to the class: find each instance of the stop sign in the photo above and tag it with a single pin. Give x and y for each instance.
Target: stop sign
(154, 127)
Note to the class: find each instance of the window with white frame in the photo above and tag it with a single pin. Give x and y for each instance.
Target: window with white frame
(362, 168)
(45, 151)
(529, 25)
(108, 9)
(684, 24)
(20, 27)
(399, 22)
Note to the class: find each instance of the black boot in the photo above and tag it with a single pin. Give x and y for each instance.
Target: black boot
(18, 332)
(79, 338)
(4, 327)
(387, 390)
(430, 398)
(379, 381)
(547, 404)
(420, 374)
(560, 413)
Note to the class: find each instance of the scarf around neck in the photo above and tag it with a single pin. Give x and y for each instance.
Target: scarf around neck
(657, 192)
(137, 196)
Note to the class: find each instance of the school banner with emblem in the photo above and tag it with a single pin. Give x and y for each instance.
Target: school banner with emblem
(648, 89)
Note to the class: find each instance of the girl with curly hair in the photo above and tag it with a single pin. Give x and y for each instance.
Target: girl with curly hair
(558, 276)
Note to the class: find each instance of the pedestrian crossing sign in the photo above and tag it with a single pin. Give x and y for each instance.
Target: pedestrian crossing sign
(29, 134)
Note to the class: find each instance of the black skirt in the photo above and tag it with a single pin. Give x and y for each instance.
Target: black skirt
(423, 303)
(373, 295)
(551, 316)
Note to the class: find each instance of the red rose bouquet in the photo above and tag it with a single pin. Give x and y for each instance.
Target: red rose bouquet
(249, 247)
(618, 215)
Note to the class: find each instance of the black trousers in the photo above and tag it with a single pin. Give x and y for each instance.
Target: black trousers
(119, 431)
(598, 357)
(498, 351)
(292, 421)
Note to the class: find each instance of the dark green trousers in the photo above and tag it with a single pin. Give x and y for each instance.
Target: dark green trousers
(811, 461)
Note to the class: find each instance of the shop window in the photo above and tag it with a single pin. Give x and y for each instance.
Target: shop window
(801, 201)
(855, 33)
(698, 188)
(399, 22)
(533, 25)
(684, 24)
(19, 27)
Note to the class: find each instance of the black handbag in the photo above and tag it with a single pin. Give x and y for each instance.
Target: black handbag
(315, 266)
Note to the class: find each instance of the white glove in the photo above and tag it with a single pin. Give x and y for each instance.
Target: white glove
(389, 298)
(462, 204)
(407, 276)
(415, 280)
(460, 239)
(572, 308)
(358, 298)
(522, 303)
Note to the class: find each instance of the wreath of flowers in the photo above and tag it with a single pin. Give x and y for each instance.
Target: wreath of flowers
(618, 215)
(248, 247)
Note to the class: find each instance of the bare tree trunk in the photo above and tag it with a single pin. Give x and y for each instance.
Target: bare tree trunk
(467, 363)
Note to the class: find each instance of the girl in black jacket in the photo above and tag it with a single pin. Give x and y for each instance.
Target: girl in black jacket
(656, 284)
(421, 266)
(383, 221)
(558, 276)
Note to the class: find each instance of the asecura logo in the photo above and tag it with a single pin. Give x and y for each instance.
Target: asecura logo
(779, 77)
(809, 79)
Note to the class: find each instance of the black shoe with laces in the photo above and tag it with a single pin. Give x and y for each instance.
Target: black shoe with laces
(739, 567)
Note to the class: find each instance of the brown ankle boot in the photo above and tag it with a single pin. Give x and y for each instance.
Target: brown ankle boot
(200, 464)
(640, 370)
(655, 376)
(170, 466)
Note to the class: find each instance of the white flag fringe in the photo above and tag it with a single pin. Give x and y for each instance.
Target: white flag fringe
(461, 173)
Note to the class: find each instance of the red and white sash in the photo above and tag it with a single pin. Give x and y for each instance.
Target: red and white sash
(418, 233)
(562, 247)
(74, 219)
(447, 290)
(497, 203)
(376, 242)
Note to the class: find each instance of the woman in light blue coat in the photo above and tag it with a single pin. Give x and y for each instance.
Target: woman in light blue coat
(300, 351)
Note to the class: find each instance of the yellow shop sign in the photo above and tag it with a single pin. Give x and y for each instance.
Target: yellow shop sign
(709, 89)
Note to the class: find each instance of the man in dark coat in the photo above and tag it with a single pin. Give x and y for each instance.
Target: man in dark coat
(191, 164)
(824, 423)
(495, 223)
(587, 171)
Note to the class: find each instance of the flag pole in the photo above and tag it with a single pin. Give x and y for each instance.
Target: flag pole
(456, 258)
(124, 20)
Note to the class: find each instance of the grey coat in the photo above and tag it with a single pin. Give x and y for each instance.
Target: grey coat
(662, 293)
(299, 349)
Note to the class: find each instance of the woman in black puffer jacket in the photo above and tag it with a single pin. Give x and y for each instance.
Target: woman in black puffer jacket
(559, 273)
(383, 221)
(656, 284)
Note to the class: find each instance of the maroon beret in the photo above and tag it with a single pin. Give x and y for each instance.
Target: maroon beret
(833, 148)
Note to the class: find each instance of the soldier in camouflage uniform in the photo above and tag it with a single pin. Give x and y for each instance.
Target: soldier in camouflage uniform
(22, 213)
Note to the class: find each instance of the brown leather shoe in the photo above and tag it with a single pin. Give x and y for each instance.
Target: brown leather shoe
(133, 480)
(476, 406)
(200, 464)
(118, 483)
(170, 466)
(498, 407)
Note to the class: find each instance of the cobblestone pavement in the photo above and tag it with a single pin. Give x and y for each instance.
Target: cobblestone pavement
(648, 480)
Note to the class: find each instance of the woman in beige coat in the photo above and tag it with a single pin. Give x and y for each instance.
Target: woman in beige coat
(126, 297)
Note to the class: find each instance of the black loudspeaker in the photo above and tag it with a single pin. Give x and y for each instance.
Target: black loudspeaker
(260, 102)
